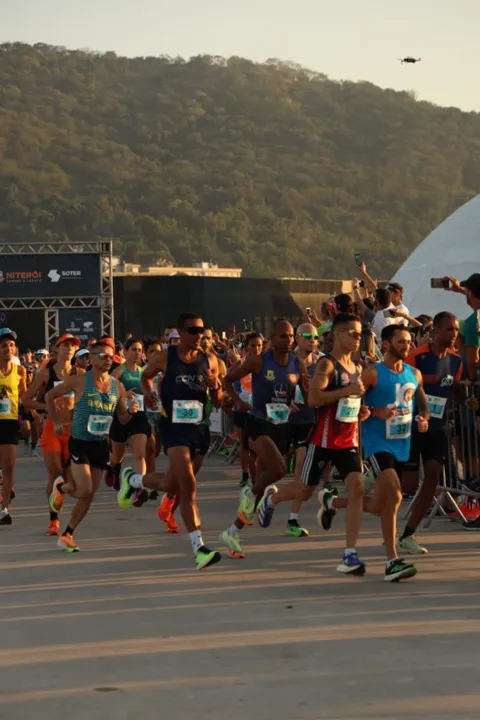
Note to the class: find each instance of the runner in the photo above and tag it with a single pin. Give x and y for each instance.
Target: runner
(241, 393)
(275, 376)
(28, 420)
(441, 370)
(189, 375)
(138, 429)
(97, 397)
(12, 385)
(53, 443)
(335, 391)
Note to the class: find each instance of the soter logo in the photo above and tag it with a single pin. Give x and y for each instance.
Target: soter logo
(54, 275)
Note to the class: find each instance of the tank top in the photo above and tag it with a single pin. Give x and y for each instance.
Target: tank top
(93, 413)
(9, 394)
(184, 389)
(53, 381)
(392, 390)
(305, 414)
(336, 426)
(130, 379)
(273, 389)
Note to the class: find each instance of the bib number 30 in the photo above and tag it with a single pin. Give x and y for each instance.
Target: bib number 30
(187, 411)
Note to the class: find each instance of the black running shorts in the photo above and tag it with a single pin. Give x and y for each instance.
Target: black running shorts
(138, 425)
(346, 461)
(300, 434)
(255, 427)
(239, 418)
(87, 452)
(381, 461)
(195, 437)
(432, 445)
(9, 432)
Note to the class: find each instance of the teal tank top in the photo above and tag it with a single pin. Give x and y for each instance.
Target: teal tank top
(93, 413)
(130, 379)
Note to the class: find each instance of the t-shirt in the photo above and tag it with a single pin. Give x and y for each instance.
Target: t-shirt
(380, 321)
(402, 308)
(471, 329)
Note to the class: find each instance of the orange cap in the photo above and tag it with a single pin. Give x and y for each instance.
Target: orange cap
(68, 336)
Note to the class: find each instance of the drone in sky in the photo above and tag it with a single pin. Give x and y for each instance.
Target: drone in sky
(410, 60)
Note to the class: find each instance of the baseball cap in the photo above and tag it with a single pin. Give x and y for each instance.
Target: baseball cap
(395, 287)
(82, 353)
(473, 284)
(7, 334)
(68, 336)
(107, 341)
(42, 351)
(174, 335)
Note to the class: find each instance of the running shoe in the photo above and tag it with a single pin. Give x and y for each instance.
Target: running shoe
(326, 513)
(246, 509)
(57, 498)
(126, 492)
(5, 518)
(140, 497)
(110, 476)
(410, 545)
(153, 494)
(164, 510)
(67, 543)
(206, 557)
(26, 450)
(351, 565)
(264, 510)
(172, 526)
(12, 495)
(399, 570)
(296, 530)
(33, 452)
(53, 528)
(244, 481)
(232, 542)
(472, 524)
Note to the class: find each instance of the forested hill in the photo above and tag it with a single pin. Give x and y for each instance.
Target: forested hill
(270, 167)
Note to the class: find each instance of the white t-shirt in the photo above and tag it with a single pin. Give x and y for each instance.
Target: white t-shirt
(16, 360)
(380, 321)
(403, 308)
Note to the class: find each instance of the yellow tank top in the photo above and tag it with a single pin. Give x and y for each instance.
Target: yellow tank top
(9, 394)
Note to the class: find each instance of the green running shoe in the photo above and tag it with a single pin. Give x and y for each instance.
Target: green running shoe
(206, 557)
(246, 509)
(295, 530)
(126, 492)
(398, 569)
(232, 542)
(410, 545)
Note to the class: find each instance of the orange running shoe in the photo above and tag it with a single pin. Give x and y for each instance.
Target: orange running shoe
(164, 510)
(67, 543)
(57, 498)
(172, 526)
(53, 528)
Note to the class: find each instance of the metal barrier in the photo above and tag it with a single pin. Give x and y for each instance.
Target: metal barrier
(224, 439)
(460, 484)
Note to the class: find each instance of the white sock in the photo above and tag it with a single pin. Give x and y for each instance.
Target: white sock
(3, 513)
(293, 516)
(196, 540)
(136, 481)
(233, 530)
(391, 561)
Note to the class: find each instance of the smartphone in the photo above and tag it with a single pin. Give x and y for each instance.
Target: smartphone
(389, 314)
(224, 335)
(358, 259)
(308, 311)
(439, 283)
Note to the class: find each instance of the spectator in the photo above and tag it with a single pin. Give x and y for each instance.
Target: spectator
(471, 326)
(383, 303)
(397, 300)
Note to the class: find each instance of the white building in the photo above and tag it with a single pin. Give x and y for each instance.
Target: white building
(453, 248)
(200, 269)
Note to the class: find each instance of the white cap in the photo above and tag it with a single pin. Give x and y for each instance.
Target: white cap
(42, 351)
(81, 353)
(174, 335)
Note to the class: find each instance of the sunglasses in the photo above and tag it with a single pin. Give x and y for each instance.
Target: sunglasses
(309, 336)
(354, 334)
(194, 330)
(103, 355)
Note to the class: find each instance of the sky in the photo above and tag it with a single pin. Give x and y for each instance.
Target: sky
(345, 39)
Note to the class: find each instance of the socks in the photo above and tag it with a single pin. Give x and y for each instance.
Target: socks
(293, 516)
(68, 530)
(408, 532)
(53, 516)
(390, 562)
(136, 481)
(196, 540)
(233, 530)
(3, 513)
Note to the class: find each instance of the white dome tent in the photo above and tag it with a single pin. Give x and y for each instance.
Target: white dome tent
(453, 248)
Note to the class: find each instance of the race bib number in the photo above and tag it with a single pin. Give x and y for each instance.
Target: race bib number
(187, 411)
(99, 425)
(348, 409)
(436, 405)
(299, 399)
(277, 413)
(139, 399)
(399, 427)
(67, 394)
(246, 397)
(5, 406)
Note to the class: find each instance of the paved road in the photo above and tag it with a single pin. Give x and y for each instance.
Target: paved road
(127, 629)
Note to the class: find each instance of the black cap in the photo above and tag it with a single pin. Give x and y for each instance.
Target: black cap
(395, 287)
(473, 284)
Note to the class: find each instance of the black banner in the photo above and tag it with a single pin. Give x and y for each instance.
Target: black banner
(84, 324)
(49, 276)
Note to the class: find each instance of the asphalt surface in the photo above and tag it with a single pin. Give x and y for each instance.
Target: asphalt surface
(128, 629)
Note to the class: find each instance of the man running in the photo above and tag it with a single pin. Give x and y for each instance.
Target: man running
(97, 397)
(275, 376)
(335, 390)
(190, 375)
(55, 444)
(441, 370)
(13, 384)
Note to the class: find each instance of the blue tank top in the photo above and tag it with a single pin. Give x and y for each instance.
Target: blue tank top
(183, 381)
(392, 390)
(130, 379)
(274, 384)
(305, 414)
(93, 413)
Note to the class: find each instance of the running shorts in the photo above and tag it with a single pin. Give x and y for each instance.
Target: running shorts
(88, 452)
(195, 437)
(432, 445)
(239, 418)
(255, 427)
(300, 434)
(346, 461)
(51, 442)
(24, 414)
(9, 434)
(138, 425)
(381, 461)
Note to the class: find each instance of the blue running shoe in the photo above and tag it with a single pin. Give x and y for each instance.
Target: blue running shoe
(264, 510)
(351, 565)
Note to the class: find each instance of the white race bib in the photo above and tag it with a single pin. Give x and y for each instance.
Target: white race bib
(436, 406)
(399, 427)
(99, 424)
(246, 397)
(299, 399)
(139, 399)
(187, 411)
(277, 413)
(5, 406)
(348, 409)
(67, 394)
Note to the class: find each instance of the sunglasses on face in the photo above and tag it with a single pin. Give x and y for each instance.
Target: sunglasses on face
(103, 356)
(195, 330)
(309, 336)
